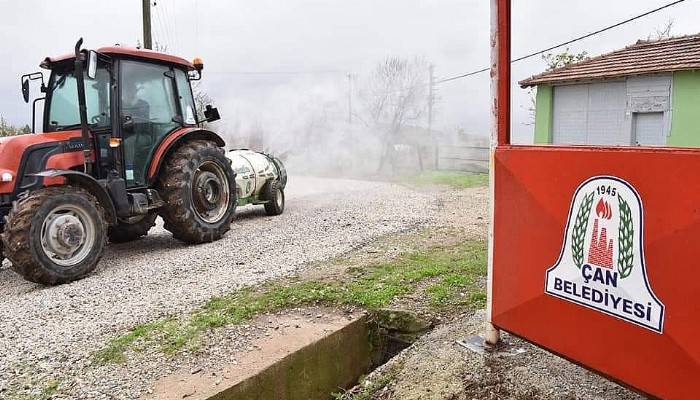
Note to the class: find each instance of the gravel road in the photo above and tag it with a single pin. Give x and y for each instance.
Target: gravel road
(50, 333)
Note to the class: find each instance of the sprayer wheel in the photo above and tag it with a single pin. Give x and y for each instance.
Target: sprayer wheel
(274, 194)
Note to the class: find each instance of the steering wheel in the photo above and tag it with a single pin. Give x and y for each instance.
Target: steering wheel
(98, 119)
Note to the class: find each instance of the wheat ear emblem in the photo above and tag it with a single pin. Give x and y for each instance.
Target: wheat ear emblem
(625, 258)
(579, 231)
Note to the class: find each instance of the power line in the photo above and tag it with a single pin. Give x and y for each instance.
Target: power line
(171, 22)
(464, 75)
(196, 25)
(607, 28)
(300, 72)
(162, 36)
(168, 40)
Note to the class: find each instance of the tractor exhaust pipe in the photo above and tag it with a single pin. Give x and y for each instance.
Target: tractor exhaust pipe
(79, 78)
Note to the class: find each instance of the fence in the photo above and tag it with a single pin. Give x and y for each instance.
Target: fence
(462, 157)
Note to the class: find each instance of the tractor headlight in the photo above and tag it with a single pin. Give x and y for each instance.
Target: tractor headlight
(6, 177)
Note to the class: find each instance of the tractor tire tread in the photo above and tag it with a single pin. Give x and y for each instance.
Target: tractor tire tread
(16, 236)
(175, 178)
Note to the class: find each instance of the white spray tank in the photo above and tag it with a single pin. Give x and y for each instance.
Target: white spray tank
(253, 170)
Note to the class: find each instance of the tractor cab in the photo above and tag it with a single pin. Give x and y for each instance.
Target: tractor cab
(121, 144)
(133, 99)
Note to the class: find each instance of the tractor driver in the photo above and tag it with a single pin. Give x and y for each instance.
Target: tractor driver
(136, 133)
(133, 106)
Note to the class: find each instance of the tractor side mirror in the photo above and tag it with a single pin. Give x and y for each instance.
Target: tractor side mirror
(25, 90)
(92, 64)
(211, 114)
(25, 84)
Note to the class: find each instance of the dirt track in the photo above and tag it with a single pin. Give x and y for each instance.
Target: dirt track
(47, 335)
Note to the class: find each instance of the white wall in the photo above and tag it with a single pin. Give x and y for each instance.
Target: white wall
(603, 113)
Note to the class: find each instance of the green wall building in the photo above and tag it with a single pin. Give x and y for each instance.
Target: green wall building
(646, 94)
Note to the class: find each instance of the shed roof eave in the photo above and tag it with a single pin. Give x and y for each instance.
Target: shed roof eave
(567, 81)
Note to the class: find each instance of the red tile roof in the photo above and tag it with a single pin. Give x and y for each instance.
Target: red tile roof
(644, 57)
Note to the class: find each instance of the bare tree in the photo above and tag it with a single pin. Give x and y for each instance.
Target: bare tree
(554, 61)
(664, 32)
(256, 136)
(563, 59)
(531, 107)
(395, 96)
(201, 99)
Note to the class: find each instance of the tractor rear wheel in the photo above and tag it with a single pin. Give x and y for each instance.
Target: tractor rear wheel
(124, 232)
(199, 190)
(55, 235)
(274, 194)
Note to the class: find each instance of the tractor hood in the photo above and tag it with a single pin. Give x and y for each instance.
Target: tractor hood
(13, 149)
(6, 139)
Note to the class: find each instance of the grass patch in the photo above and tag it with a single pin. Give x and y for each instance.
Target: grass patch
(460, 180)
(454, 268)
(451, 290)
(47, 391)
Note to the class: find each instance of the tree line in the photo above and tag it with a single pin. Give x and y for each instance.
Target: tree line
(7, 129)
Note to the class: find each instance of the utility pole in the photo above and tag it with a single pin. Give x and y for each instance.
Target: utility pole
(431, 98)
(431, 101)
(349, 99)
(146, 11)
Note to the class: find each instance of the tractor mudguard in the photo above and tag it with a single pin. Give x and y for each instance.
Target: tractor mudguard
(88, 183)
(173, 141)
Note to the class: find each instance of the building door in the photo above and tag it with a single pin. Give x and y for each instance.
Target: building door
(592, 114)
(570, 114)
(648, 129)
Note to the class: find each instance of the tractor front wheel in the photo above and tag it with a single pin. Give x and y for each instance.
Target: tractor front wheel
(55, 235)
(199, 190)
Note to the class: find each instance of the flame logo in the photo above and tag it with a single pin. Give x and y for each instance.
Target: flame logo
(603, 210)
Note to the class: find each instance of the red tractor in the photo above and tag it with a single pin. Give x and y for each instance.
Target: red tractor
(122, 144)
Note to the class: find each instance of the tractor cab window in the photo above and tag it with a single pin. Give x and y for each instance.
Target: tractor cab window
(184, 90)
(148, 113)
(63, 110)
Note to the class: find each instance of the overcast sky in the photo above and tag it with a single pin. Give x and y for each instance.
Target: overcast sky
(263, 56)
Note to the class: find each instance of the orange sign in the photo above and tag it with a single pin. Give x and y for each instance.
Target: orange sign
(596, 258)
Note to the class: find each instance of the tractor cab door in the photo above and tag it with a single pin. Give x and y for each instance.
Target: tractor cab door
(61, 112)
(150, 109)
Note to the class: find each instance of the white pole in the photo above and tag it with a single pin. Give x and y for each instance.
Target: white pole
(493, 335)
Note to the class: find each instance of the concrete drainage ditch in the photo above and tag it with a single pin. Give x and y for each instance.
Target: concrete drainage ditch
(304, 362)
